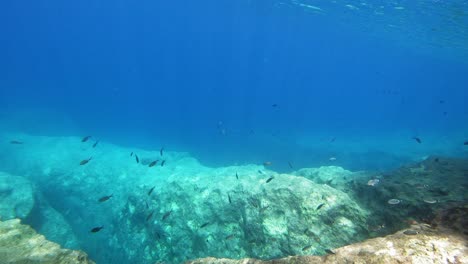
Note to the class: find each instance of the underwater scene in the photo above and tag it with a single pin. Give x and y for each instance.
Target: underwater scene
(234, 131)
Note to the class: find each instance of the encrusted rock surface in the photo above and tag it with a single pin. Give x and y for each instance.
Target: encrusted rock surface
(420, 245)
(16, 197)
(21, 244)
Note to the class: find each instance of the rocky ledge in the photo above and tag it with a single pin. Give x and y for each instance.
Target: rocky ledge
(419, 244)
(21, 244)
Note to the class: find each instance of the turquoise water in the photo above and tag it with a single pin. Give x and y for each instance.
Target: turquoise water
(306, 101)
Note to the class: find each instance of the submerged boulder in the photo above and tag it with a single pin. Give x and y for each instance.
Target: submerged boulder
(420, 244)
(21, 244)
(16, 197)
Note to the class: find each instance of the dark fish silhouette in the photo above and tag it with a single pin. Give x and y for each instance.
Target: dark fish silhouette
(137, 159)
(436, 160)
(259, 171)
(269, 179)
(274, 105)
(95, 144)
(161, 151)
(105, 198)
(153, 163)
(237, 176)
(16, 142)
(267, 163)
(131, 154)
(465, 143)
(229, 198)
(229, 237)
(329, 251)
(205, 224)
(163, 162)
(417, 140)
(166, 215)
(149, 216)
(83, 162)
(151, 190)
(85, 139)
(147, 206)
(290, 165)
(306, 247)
(320, 206)
(333, 139)
(96, 229)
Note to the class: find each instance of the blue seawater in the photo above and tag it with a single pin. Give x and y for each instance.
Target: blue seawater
(295, 83)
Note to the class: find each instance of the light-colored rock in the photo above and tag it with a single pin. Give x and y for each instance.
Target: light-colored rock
(21, 244)
(428, 246)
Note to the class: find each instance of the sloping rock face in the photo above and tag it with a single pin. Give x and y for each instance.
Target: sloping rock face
(16, 197)
(21, 244)
(419, 244)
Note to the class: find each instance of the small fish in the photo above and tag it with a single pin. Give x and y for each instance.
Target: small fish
(161, 151)
(306, 247)
(329, 251)
(259, 171)
(131, 154)
(229, 237)
(149, 216)
(237, 176)
(290, 165)
(96, 229)
(137, 159)
(320, 206)
(274, 105)
(436, 160)
(373, 182)
(205, 225)
(163, 162)
(85, 138)
(267, 163)
(151, 190)
(166, 215)
(153, 163)
(105, 198)
(95, 144)
(332, 159)
(417, 139)
(16, 142)
(333, 139)
(465, 143)
(83, 162)
(269, 179)
(147, 206)
(229, 198)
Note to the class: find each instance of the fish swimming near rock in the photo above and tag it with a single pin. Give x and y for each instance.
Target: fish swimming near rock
(85, 138)
(137, 159)
(267, 163)
(229, 237)
(163, 162)
(95, 144)
(151, 190)
(259, 171)
(83, 162)
(270, 179)
(320, 206)
(105, 198)
(153, 163)
(417, 139)
(161, 151)
(96, 229)
(237, 176)
(306, 247)
(373, 182)
(166, 215)
(16, 142)
(205, 224)
(229, 198)
(149, 216)
(131, 154)
(290, 165)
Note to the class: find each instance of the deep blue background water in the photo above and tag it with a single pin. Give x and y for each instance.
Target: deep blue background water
(202, 76)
